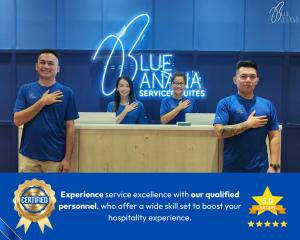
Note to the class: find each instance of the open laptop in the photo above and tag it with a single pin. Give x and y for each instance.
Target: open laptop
(200, 118)
(96, 118)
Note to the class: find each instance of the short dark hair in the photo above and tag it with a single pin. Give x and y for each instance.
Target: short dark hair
(51, 51)
(246, 63)
(178, 74)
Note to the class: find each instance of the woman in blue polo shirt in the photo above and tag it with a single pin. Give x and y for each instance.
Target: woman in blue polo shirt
(174, 108)
(127, 108)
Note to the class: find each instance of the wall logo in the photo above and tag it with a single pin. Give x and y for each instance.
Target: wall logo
(151, 72)
(267, 203)
(278, 14)
(34, 201)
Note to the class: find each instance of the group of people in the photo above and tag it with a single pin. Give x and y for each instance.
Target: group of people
(131, 111)
(47, 110)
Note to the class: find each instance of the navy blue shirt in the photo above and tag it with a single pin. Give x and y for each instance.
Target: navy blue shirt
(44, 136)
(169, 103)
(137, 116)
(246, 152)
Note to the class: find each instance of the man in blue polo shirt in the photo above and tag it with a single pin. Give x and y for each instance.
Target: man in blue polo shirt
(47, 110)
(244, 120)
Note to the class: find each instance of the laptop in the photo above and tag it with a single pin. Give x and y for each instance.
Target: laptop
(200, 118)
(96, 118)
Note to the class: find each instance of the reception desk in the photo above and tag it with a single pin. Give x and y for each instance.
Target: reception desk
(146, 148)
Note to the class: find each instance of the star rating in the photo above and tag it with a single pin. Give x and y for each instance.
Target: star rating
(267, 202)
(259, 224)
(275, 224)
(251, 224)
(267, 224)
(283, 224)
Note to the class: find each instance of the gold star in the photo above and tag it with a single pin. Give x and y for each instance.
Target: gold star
(275, 224)
(251, 224)
(283, 224)
(267, 224)
(267, 202)
(259, 224)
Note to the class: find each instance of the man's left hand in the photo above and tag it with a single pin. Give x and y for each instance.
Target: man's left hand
(65, 166)
(271, 170)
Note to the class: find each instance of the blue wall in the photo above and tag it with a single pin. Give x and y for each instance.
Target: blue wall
(206, 25)
(205, 35)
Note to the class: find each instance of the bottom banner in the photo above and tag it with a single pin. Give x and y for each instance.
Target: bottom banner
(149, 206)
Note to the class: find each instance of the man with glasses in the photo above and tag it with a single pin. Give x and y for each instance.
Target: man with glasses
(244, 120)
(174, 108)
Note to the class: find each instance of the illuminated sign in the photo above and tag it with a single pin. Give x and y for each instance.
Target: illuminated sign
(151, 72)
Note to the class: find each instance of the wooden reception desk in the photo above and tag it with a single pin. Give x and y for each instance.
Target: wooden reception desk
(146, 148)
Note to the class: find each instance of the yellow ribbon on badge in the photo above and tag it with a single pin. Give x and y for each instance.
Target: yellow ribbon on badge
(257, 208)
(24, 221)
(34, 201)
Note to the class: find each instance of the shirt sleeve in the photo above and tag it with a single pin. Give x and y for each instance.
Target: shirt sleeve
(273, 121)
(164, 108)
(142, 118)
(110, 107)
(71, 111)
(21, 103)
(222, 113)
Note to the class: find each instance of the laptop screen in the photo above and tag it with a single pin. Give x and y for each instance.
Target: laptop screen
(200, 118)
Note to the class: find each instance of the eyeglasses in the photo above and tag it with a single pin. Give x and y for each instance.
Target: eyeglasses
(178, 83)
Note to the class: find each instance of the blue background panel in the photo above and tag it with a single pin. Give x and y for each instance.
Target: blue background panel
(118, 13)
(291, 149)
(214, 25)
(218, 25)
(293, 100)
(25, 64)
(36, 24)
(260, 33)
(82, 75)
(7, 26)
(217, 72)
(8, 142)
(81, 24)
(7, 86)
(178, 14)
(294, 28)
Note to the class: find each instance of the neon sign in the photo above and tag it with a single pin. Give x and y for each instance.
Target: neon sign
(152, 71)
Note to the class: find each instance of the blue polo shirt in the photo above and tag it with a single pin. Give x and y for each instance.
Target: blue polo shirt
(169, 103)
(137, 116)
(44, 136)
(246, 152)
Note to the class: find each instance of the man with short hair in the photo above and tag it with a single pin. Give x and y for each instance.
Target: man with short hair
(244, 120)
(47, 110)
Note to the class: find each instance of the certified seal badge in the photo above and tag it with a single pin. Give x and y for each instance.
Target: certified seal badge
(34, 201)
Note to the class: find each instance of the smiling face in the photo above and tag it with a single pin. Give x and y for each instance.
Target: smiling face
(178, 86)
(47, 66)
(123, 88)
(246, 80)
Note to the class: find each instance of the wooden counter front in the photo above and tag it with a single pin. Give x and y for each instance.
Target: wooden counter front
(147, 148)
